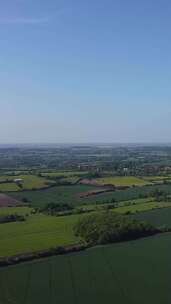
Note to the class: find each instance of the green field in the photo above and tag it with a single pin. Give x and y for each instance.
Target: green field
(15, 210)
(122, 181)
(136, 272)
(36, 233)
(9, 187)
(158, 217)
(29, 182)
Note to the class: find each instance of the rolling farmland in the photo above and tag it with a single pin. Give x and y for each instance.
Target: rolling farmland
(52, 183)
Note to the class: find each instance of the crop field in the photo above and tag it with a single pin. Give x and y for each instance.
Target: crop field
(7, 201)
(131, 272)
(59, 194)
(121, 181)
(158, 217)
(36, 233)
(127, 194)
(29, 182)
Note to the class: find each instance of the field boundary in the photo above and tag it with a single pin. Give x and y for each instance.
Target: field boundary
(26, 257)
(60, 250)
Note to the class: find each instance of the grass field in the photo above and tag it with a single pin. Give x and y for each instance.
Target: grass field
(136, 272)
(29, 182)
(9, 187)
(15, 210)
(36, 233)
(122, 181)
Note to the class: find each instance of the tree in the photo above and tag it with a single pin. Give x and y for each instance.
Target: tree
(109, 227)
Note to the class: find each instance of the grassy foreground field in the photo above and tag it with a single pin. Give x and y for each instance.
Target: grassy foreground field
(36, 233)
(132, 272)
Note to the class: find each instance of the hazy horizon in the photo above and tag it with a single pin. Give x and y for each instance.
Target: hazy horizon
(85, 72)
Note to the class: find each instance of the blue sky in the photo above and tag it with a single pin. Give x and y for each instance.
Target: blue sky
(85, 71)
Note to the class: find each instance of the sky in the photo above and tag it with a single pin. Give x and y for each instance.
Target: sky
(85, 71)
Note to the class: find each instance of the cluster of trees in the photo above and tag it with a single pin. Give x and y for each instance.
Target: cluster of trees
(57, 208)
(108, 227)
(11, 218)
(161, 196)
